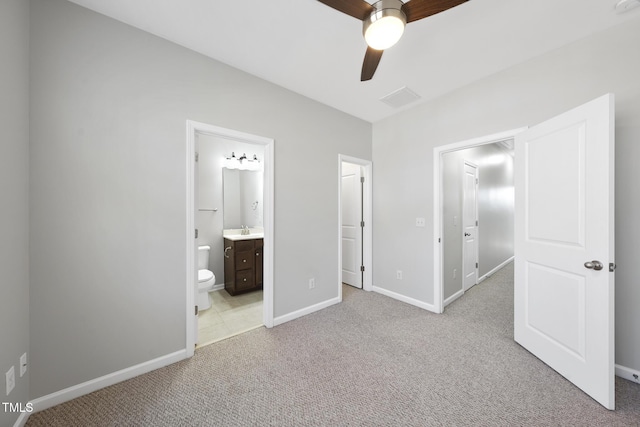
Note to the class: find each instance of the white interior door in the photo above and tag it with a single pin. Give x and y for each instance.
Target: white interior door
(351, 203)
(470, 226)
(564, 301)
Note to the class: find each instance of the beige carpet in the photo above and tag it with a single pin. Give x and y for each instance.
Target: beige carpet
(370, 361)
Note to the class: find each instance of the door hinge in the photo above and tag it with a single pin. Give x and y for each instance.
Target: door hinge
(196, 233)
(362, 268)
(196, 310)
(612, 267)
(439, 239)
(476, 265)
(476, 222)
(197, 156)
(362, 224)
(477, 182)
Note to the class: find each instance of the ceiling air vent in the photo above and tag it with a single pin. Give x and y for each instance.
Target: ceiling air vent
(400, 98)
(506, 144)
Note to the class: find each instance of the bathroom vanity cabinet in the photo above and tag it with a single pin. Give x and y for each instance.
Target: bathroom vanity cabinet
(242, 265)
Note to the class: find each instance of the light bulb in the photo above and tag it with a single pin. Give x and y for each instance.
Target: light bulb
(384, 27)
(384, 32)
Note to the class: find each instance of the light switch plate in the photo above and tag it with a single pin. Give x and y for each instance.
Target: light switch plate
(10, 377)
(420, 222)
(23, 364)
(625, 5)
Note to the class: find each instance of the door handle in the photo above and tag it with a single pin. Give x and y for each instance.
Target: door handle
(467, 234)
(596, 265)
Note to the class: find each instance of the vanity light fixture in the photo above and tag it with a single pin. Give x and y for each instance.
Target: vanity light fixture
(242, 162)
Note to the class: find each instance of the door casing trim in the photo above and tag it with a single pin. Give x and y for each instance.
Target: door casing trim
(438, 232)
(194, 128)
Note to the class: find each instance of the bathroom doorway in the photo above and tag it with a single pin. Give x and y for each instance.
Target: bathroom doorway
(231, 209)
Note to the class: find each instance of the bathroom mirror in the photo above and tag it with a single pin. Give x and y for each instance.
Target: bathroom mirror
(242, 198)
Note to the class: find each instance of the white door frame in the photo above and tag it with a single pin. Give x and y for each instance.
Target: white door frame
(438, 231)
(367, 235)
(194, 128)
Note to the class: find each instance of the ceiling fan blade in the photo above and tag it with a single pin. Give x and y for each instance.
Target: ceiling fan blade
(418, 9)
(371, 61)
(359, 9)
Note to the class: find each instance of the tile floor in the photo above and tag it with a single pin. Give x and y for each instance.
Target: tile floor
(229, 316)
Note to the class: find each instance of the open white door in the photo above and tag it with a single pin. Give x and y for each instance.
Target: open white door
(564, 224)
(351, 204)
(470, 226)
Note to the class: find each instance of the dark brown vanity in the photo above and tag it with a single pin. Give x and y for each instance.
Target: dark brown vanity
(242, 265)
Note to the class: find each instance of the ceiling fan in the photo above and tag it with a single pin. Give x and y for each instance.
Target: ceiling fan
(384, 21)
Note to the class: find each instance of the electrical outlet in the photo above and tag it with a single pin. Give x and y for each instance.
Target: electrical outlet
(420, 222)
(312, 283)
(10, 377)
(455, 273)
(23, 364)
(399, 274)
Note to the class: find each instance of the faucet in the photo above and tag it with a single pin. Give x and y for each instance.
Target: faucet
(245, 230)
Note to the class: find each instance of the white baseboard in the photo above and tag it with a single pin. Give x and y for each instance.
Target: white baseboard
(304, 311)
(403, 298)
(22, 419)
(90, 386)
(490, 273)
(453, 297)
(628, 374)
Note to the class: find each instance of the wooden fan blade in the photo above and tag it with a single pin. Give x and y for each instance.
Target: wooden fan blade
(357, 8)
(418, 9)
(371, 61)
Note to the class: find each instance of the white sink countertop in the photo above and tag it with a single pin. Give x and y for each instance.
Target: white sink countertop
(236, 234)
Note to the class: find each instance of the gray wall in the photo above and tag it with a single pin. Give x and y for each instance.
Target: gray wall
(495, 211)
(522, 95)
(108, 192)
(14, 182)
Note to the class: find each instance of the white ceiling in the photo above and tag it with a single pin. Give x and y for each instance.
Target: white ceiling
(316, 51)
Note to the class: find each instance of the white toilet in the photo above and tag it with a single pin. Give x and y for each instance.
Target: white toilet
(206, 278)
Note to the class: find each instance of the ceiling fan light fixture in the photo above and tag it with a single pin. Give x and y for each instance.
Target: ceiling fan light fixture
(384, 27)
